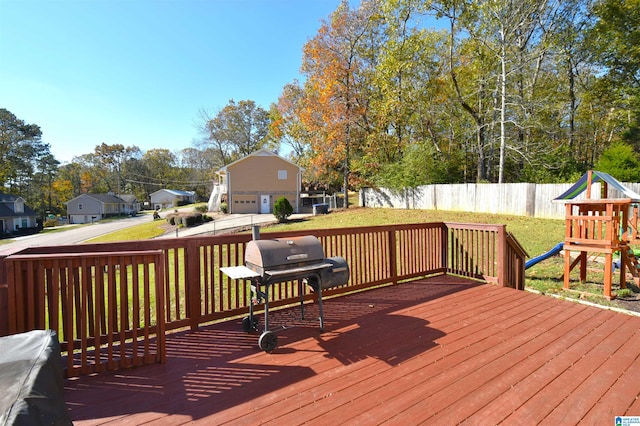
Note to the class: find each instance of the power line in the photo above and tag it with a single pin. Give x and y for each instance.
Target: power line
(202, 182)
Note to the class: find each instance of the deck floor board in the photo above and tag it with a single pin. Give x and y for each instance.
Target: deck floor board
(441, 350)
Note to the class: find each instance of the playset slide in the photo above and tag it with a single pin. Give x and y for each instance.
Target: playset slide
(544, 256)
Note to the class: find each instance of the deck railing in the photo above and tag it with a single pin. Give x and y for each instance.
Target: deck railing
(111, 303)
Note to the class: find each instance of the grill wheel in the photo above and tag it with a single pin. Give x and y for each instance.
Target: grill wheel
(268, 341)
(249, 326)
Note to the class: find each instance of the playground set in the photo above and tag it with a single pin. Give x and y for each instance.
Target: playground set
(604, 227)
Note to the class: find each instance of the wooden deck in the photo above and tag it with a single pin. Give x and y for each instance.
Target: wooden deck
(437, 351)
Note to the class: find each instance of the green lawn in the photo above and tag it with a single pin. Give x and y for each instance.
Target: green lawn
(537, 236)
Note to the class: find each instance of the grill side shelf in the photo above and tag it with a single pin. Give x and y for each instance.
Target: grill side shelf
(239, 272)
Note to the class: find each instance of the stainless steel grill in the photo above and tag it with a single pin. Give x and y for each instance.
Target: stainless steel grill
(286, 259)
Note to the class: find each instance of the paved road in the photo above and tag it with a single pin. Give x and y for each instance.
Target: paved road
(72, 235)
(77, 235)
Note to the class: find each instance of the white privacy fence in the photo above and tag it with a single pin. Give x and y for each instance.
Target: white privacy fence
(519, 199)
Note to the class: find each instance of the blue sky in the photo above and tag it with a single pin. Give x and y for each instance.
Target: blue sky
(137, 72)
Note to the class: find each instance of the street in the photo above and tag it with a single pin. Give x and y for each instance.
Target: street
(70, 236)
(86, 232)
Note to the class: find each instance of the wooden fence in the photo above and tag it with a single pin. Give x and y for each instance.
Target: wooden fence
(519, 199)
(112, 303)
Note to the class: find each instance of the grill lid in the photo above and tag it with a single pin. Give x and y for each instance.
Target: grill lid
(283, 253)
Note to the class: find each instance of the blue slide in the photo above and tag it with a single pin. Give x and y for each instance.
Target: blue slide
(544, 256)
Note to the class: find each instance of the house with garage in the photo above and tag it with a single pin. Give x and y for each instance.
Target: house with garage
(170, 198)
(253, 183)
(88, 208)
(15, 216)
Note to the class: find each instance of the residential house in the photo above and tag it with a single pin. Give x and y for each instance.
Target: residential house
(252, 184)
(88, 208)
(132, 205)
(15, 215)
(169, 198)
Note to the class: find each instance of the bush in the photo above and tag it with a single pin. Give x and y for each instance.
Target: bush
(49, 223)
(224, 208)
(282, 209)
(191, 219)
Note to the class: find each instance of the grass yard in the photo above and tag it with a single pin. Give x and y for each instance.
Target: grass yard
(537, 236)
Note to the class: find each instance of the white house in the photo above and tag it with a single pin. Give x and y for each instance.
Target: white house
(15, 215)
(169, 198)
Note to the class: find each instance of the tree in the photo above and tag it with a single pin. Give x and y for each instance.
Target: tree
(28, 168)
(111, 158)
(282, 209)
(237, 130)
(160, 165)
(615, 40)
(286, 124)
(21, 147)
(621, 161)
(46, 170)
(335, 104)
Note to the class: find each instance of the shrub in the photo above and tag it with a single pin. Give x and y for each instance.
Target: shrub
(191, 219)
(224, 208)
(282, 209)
(49, 223)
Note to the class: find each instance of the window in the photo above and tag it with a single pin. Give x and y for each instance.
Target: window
(282, 174)
(79, 206)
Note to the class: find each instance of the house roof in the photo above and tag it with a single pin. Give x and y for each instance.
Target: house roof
(103, 198)
(129, 198)
(175, 192)
(5, 211)
(8, 198)
(581, 185)
(259, 153)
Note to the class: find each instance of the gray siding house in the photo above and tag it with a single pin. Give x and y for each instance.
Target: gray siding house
(15, 215)
(88, 208)
(169, 198)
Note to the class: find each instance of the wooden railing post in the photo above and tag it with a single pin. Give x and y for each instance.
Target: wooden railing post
(502, 256)
(393, 255)
(4, 298)
(192, 282)
(445, 247)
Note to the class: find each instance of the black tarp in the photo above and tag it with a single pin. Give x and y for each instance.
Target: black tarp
(31, 380)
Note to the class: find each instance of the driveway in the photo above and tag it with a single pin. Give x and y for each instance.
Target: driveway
(227, 223)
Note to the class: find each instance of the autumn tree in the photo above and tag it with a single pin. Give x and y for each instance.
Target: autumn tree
(287, 126)
(66, 185)
(334, 64)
